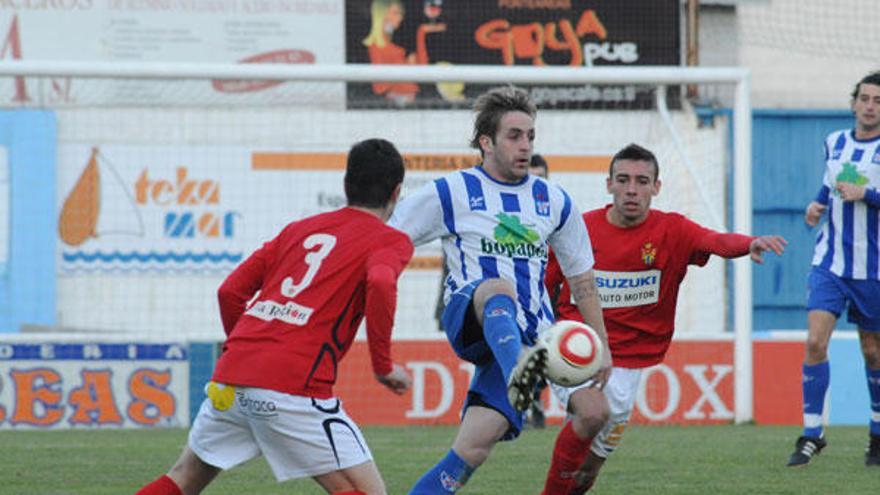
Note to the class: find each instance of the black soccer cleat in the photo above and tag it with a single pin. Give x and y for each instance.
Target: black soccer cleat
(804, 450)
(872, 453)
(530, 368)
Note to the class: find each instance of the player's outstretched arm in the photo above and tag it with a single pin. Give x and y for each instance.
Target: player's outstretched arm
(586, 296)
(775, 243)
(398, 381)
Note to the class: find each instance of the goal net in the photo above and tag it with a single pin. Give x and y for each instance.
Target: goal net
(169, 175)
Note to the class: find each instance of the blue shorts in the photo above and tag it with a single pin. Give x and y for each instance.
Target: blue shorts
(828, 292)
(488, 387)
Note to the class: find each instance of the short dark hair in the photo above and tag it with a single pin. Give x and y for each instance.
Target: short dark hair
(374, 169)
(493, 104)
(538, 161)
(633, 151)
(872, 78)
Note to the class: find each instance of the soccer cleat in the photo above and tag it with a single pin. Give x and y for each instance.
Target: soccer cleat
(530, 367)
(804, 450)
(872, 454)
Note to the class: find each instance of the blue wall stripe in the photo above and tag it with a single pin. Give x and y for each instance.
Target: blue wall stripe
(28, 291)
(202, 357)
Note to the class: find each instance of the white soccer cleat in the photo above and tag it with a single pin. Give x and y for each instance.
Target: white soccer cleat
(530, 367)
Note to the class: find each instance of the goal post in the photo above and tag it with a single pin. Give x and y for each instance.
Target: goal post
(653, 76)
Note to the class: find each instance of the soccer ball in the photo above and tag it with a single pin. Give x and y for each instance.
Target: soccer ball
(574, 352)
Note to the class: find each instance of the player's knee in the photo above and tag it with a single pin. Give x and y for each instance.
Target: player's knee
(493, 286)
(817, 348)
(872, 359)
(589, 415)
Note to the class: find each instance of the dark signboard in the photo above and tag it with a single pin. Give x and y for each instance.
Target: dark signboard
(509, 32)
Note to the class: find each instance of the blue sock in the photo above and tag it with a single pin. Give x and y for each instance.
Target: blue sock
(816, 378)
(447, 476)
(501, 332)
(874, 393)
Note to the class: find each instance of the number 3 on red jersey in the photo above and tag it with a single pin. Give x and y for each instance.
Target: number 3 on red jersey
(325, 244)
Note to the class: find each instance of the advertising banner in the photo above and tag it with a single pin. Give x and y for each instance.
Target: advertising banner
(55, 385)
(573, 33)
(135, 208)
(694, 385)
(198, 31)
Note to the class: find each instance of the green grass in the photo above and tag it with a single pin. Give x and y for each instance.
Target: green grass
(713, 460)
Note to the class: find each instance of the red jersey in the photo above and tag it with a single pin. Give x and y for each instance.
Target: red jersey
(638, 272)
(316, 280)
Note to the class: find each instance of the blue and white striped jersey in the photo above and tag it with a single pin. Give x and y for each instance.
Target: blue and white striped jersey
(493, 229)
(848, 244)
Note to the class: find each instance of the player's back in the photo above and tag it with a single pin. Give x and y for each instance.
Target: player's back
(311, 302)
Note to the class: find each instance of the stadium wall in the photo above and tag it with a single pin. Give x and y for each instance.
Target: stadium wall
(56, 381)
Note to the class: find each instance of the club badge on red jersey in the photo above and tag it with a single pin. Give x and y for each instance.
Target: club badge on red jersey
(649, 253)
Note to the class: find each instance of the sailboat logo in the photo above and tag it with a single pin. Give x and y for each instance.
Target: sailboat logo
(87, 213)
(104, 226)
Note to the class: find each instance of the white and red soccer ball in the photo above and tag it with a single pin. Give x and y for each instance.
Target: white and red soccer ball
(574, 352)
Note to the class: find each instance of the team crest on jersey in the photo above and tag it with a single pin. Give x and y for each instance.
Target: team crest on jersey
(649, 253)
(477, 203)
(542, 207)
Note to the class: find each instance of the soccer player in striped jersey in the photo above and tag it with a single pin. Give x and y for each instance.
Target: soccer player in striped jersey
(496, 224)
(642, 256)
(272, 389)
(846, 266)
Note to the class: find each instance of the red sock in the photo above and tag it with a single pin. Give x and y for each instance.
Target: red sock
(355, 492)
(161, 486)
(568, 455)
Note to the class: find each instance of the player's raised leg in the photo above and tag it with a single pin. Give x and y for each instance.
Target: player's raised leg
(522, 366)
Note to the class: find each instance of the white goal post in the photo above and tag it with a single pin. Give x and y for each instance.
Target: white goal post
(658, 76)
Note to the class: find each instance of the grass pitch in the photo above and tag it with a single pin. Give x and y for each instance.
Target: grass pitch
(713, 460)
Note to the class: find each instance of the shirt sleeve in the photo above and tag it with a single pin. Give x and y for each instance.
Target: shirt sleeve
(570, 241)
(707, 242)
(422, 216)
(240, 286)
(383, 269)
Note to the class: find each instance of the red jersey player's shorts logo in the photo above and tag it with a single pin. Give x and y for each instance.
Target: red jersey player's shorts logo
(649, 253)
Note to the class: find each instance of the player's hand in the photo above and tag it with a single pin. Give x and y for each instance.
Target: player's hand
(763, 243)
(850, 192)
(814, 213)
(604, 372)
(398, 381)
